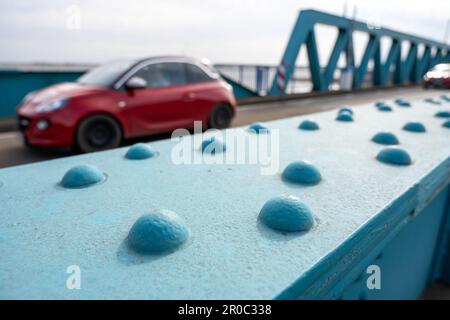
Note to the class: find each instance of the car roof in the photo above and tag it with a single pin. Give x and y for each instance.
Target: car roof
(171, 58)
(441, 65)
(202, 63)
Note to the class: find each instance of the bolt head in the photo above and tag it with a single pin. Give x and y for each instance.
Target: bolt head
(213, 145)
(302, 172)
(309, 125)
(344, 117)
(140, 151)
(286, 213)
(387, 138)
(414, 126)
(395, 156)
(158, 232)
(82, 176)
(258, 127)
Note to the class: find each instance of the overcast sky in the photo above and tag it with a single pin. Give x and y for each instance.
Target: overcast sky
(236, 31)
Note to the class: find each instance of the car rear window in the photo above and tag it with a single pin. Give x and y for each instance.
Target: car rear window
(196, 75)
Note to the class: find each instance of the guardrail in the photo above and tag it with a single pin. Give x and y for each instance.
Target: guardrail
(15, 84)
(361, 220)
(258, 78)
(410, 69)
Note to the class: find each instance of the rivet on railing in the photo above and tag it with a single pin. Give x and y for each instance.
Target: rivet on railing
(302, 172)
(432, 101)
(414, 127)
(286, 213)
(442, 114)
(344, 117)
(446, 124)
(402, 102)
(385, 108)
(309, 125)
(158, 232)
(385, 138)
(140, 151)
(82, 176)
(258, 127)
(213, 145)
(394, 155)
(345, 109)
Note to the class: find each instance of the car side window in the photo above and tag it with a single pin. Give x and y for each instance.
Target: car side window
(196, 75)
(162, 75)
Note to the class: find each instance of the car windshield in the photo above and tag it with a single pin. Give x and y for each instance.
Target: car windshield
(441, 67)
(106, 74)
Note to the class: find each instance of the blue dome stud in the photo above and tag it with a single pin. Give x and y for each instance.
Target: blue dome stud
(140, 151)
(309, 125)
(385, 108)
(81, 176)
(258, 127)
(394, 155)
(442, 114)
(286, 214)
(402, 102)
(344, 117)
(432, 101)
(213, 145)
(158, 232)
(387, 138)
(414, 127)
(302, 172)
(345, 109)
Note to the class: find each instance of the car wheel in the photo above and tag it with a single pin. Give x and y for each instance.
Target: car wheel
(99, 132)
(220, 116)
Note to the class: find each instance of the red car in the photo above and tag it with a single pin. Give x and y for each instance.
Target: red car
(438, 76)
(126, 99)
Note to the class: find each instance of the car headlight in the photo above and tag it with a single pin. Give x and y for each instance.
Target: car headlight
(52, 105)
(29, 96)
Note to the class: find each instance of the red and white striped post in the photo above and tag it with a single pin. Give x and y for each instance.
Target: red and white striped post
(281, 73)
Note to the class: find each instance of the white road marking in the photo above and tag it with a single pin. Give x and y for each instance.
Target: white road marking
(9, 135)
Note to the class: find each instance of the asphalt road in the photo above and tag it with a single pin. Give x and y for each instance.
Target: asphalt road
(12, 151)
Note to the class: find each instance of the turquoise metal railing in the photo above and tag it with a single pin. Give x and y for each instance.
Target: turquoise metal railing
(15, 84)
(370, 206)
(407, 70)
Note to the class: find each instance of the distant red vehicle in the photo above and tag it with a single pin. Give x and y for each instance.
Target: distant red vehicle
(126, 99)
(438, 76)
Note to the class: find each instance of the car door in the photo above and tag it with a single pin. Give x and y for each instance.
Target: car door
(199, 95)
(156, 108)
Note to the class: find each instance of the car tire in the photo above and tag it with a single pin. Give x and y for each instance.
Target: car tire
(220, 116)
(98, 132)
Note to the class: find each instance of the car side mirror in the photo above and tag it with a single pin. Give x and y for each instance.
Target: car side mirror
(136, 83)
